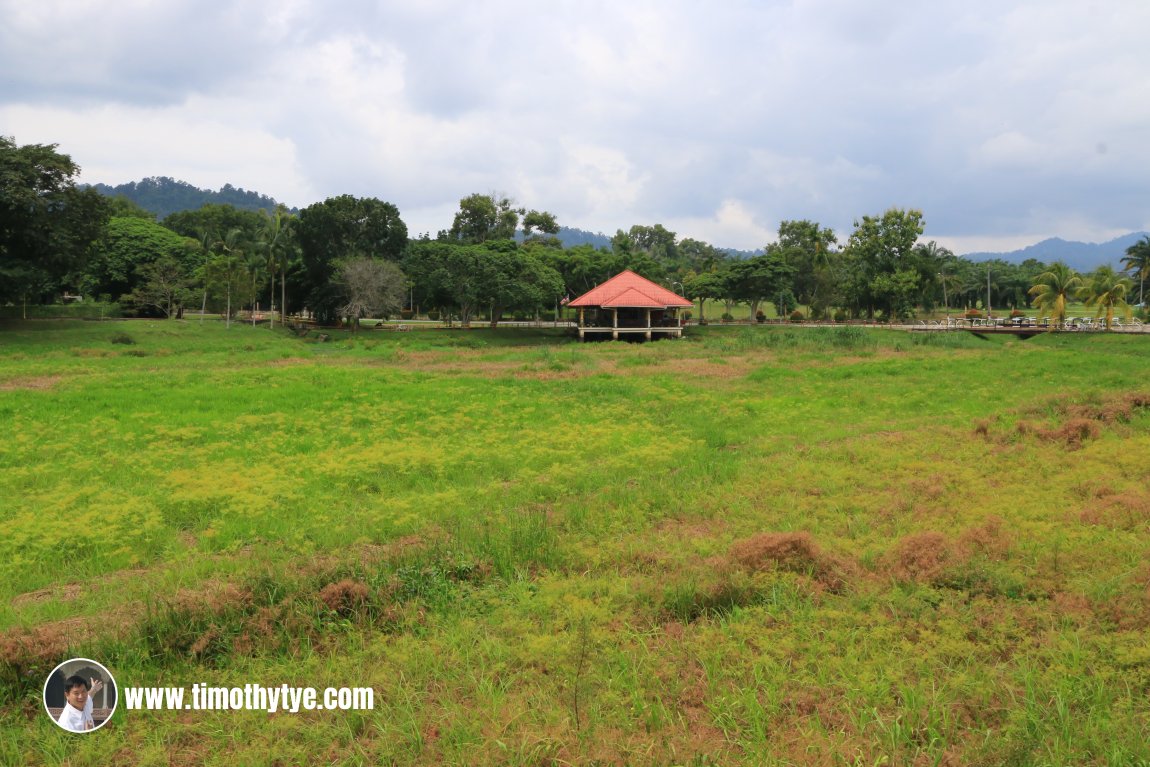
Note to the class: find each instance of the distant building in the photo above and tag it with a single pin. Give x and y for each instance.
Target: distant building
(627, 305)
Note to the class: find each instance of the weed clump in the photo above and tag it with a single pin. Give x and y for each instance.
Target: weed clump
(1119, 511)
(795, 553)
(345, 598)
(123, 338)
(921, 557)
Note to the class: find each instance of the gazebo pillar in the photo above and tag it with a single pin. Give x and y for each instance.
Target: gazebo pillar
(648, 333)
(614, 324)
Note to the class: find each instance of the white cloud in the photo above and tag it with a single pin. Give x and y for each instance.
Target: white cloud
(999, 120)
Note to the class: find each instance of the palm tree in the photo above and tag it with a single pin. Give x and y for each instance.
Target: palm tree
(274, 241)
(1053, 288)
(1137, 262)
(227, 265)
(1107, 290)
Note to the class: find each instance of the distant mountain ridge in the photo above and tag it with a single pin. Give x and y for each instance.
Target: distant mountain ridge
(164, 196)
(1081, 256)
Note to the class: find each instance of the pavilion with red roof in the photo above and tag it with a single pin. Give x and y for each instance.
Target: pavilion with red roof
(628, 304)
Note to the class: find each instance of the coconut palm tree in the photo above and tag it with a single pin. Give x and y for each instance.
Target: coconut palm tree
(1137, 262)
(1053, 288)
(1107, 290)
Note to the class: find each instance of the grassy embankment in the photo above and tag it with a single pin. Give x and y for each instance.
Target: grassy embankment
(756, 545)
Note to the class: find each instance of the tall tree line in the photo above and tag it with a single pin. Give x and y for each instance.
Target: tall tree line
(496, 258)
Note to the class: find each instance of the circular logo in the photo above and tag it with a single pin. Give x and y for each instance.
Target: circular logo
(80, 695)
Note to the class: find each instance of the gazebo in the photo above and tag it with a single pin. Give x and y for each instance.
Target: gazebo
(627, 305)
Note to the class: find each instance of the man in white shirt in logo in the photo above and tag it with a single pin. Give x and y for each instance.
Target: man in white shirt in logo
(77, 713)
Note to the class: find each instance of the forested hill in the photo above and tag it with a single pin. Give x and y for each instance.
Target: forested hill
(163, 196)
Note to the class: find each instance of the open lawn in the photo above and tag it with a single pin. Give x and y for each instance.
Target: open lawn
(757, 545)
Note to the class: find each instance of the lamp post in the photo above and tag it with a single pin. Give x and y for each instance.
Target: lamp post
(988, 290)
(945, 303)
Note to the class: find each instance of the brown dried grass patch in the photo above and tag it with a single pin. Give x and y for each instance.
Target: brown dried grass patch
(1074, 423)
(213, 598)
(31, 383)
(65, 593)
(730, 369)
(24, 651)
(796, 553)
(991, 539)
(921, 556)
(1119, 511)
(290, 362)
(346, 598)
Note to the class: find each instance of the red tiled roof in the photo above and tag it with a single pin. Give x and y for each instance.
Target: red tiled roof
(627, 289)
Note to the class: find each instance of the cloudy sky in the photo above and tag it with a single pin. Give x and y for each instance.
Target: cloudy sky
(1005, 122)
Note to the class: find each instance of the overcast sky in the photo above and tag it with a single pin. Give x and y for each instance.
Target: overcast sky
(1004, 122)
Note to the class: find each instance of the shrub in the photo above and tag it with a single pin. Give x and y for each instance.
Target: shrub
(433, 315)
(406, 314)
(796, 316)
(123, 338)
(760, 316)
(1017, 313)
(840, 316)
(728, 317)
(973, 314)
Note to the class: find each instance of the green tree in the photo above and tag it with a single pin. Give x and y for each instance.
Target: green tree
(484, 217)
(164, 284)
(809, 250)
(338, 228)
(540, 225)
(704, 287)
(128, 244)
(1106, 290)
(499, 276)
(1053, 289)
(758, 279)
(1137, 262)
(884, 270)
(47, 224)
(699, 257)
(654, 248)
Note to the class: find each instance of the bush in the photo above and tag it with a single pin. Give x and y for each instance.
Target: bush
(547, 316)
(433, 315)
(840, 316)
(123, 338)
(796, 316)
(973, 314)
(1017, 313)
(760, 316)
(728, 317)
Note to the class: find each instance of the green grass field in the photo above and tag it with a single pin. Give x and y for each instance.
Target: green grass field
(756, 545)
